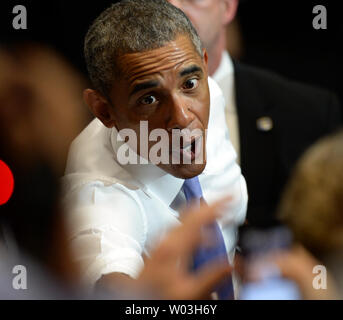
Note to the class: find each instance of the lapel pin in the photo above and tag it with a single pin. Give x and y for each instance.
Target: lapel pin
(264, 124)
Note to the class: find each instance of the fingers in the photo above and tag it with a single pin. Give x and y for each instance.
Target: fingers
(169, 261)
(189, 234)
(294, 262)
(182, 240)
(209, 277)
(206, 213)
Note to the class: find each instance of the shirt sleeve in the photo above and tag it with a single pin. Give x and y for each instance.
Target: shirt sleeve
(107, 230)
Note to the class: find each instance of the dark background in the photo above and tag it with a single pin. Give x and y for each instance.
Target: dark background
(277, 35)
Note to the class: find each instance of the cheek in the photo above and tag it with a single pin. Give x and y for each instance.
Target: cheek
(199, 20)
(201, 108)
(192, 14)
(210, 25)
(124, 117)
(205, 110)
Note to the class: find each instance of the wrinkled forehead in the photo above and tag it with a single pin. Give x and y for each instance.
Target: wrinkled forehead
(171, 56)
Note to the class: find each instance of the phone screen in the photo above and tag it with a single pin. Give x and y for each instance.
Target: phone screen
(262, 279)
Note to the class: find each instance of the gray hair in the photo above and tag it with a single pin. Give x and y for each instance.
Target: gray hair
(132, 26)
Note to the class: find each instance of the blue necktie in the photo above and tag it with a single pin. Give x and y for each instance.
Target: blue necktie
(203, 255)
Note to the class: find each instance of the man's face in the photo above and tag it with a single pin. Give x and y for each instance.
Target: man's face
(168, 88)
(207, 16)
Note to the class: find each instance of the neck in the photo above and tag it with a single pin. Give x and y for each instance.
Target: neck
(215, 53)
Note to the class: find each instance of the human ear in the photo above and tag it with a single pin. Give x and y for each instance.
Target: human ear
(230, 10)
(99, 107)
(205, 59)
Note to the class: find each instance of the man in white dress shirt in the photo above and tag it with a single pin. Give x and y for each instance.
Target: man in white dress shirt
(147, 65)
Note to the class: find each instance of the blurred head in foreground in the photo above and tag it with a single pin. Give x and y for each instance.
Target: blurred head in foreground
(312, 204)
(40, 113)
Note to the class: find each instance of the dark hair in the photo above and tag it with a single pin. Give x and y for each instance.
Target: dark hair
(132, 26)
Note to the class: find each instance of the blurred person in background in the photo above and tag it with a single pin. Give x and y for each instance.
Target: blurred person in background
(275, 266)
(304, 258)
(261, 277)
(271, 120)
(40, 101)
(311, 207)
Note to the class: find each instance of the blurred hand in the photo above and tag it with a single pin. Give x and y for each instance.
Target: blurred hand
(297, 264)
(167, 274)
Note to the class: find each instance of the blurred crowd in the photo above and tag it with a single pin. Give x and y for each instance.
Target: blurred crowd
(298, 256)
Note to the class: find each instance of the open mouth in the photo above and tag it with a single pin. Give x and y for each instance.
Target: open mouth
(189, 149)
(189, 152)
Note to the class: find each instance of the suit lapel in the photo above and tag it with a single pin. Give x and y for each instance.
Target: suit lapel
(257, 147)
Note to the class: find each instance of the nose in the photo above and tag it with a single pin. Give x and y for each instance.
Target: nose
(180, 115)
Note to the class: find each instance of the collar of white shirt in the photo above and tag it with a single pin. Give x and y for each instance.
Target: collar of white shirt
(225, 67)
(224, 76)
(152, 180)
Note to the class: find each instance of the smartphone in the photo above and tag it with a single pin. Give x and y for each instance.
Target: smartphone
(261, 278)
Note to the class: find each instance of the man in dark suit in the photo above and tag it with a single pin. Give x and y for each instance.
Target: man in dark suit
(271, 120)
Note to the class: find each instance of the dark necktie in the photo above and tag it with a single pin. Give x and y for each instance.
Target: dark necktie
(216, 250)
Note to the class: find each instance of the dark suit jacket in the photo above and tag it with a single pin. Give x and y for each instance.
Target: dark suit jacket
(300, 115)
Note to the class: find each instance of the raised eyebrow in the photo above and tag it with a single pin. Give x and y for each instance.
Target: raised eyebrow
(190, 70)
(144, 86)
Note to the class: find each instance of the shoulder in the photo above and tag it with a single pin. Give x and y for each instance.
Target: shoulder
(107, 229)
(287, 99)
(92, 157)
(97, 205)
(87, 147)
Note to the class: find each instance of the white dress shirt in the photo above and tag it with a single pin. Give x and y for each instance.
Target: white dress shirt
(116, 213)
(224, 76)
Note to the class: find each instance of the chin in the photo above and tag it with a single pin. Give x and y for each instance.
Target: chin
(184, 171)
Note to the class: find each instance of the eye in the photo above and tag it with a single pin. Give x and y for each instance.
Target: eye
(190, 84)
(148, 100)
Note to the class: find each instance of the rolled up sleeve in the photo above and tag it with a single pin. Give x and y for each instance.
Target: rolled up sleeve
(107, 231)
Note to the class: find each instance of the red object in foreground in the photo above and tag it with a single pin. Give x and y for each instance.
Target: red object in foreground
(6, 183)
